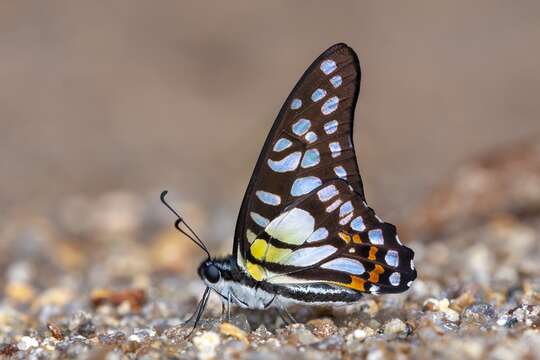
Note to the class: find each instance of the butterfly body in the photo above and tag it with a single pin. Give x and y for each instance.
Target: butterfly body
(305, 233)
(239, 287)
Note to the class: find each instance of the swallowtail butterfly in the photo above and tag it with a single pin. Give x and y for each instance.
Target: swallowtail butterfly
(305, 233)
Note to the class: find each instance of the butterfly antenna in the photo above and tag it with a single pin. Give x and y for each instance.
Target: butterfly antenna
(192, 236)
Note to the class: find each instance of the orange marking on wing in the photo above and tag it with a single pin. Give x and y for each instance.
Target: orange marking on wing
(345, 237)
(372, 253)
(356, 283)
(356, 239)
(374, 274)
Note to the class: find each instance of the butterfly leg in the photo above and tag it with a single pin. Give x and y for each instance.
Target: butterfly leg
(283, 311)
(229, 307)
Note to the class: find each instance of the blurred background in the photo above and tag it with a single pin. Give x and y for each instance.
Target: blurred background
(105, 104)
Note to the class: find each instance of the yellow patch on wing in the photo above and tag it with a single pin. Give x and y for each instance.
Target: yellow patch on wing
(356, 239)
(356, 283)
(261, 250)
(256, 271)
(374, 274)
(345, 237)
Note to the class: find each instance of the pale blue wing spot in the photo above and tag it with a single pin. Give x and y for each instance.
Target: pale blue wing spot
(336, 81)
(311, 137)
(340, 171)
(395, 278)
(374, 289)
(333, 206)
(346, 208)
(327, 193)
(250, 236)
(347, 265)
(331, 127)
(311, 158)
(392, 258)
(412, 265)
(335, 148)
(330, 105)
(358, 224)
(301, 126)
(309, 256)
(302, 186)
(346, 219)
(328, 66)
(288, 163)
(259, 219)
(268, 198)
(376, 237)
(318, 95)
(318, 235)
(296, 104)
(282, 144)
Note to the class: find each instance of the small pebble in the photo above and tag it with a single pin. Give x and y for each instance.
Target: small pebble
(206, 344)
(26, 343)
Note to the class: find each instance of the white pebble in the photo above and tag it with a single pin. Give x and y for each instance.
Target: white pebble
(206, 344)
(26, 343)
(395, 326)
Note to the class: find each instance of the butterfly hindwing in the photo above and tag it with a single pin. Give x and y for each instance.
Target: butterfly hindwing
(332, 236)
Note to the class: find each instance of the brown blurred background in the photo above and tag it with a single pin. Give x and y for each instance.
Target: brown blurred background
(141, 96)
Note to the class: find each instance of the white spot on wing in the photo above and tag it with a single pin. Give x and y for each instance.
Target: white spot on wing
(376, 237)
(331, 127)
(304, 185)
(318, 95)
(319, 234)
(333, 206)
(288, 163)
(346, 219)
(346, 208)
(292, 227)
(301, 126)
(392, 258)
(250, 236)
(395, 278)
(282, 144)
(311, 137)
(340, 171)
(309, 256)
(311, 158)
(347, 265)
(358, 224)
(330, 105)
(327, 192)
(296, 104)
(328, 66)
(259, 219)
(336, 81)
(268, 198)
(335, 148)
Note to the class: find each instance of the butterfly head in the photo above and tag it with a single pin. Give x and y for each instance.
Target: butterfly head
(210, 272)
(217, 273)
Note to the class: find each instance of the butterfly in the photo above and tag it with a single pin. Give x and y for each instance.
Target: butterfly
(304, 233)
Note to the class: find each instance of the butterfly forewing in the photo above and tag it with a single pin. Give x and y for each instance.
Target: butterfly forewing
(287, 230)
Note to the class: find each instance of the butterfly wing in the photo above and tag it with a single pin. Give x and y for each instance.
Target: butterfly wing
(308, 148)
(299, 127)
(331, 236)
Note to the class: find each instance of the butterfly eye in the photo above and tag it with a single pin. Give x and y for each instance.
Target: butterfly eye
(211, 273)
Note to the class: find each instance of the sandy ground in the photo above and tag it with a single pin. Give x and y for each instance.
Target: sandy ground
(105, 278)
